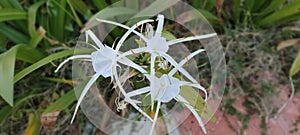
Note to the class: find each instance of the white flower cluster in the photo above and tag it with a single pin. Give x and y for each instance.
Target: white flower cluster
(162, 89)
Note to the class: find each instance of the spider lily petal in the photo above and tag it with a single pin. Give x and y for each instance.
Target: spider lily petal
(177, 66)
(114, 71)
(138, 91)
(181, 63)
(160, 25)
(128, 62)
(123, 26)
(155, 118)
(152, 77)
(186, 103)
(72, 58)
(180, 40)
(133, 51)
(83, 93)
(94, 38)
(124, 37)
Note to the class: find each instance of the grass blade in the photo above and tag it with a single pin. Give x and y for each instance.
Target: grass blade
(249, 5)
(81, 8)
(6, 111)
(295, 67)
(16, 4)
(275, 4)
(32, 11)
(259, 4)
(45, 61)
(196, 4)
(12, 34)
(284, 13)
(7, 14)
(59, 20)
(77, 20)
(236, 10)
(156, 7)
(106, 14)
(29, 54)
(63, 102)
(100, 4)
(5, 4)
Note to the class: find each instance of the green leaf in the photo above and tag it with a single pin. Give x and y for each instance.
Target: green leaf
(6, 111)
(284, 13)
(7, 14)
(275, 4)
(65, 100)
(133, 4)
(259, 4)
(74, 13)
(295, 67)
(33, 125)
(81, 7)
(193, 97)
(156, 7)
(62, 103)
(100, 4)
(196, 4)
(5, 4)
(288, 19)
(32, 11)
(195, 100)
(249, 4)
(106, 14)
(194, 15)
(168, 35)
(16, 4)
(7, 64)
(58, 20)
(236, 10)
(38, 35)
(210, 5)
(209, 16)
(12, 34)
(47, 60)
(29, 54)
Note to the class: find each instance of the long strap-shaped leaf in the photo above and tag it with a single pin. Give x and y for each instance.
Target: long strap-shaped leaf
(7, 14)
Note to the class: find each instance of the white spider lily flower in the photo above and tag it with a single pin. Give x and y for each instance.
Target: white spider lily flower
(103, 60)
(158, 46)
(165, 88)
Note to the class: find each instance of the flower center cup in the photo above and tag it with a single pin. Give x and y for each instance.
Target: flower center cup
(165, 88)
(102, 61)
(158, 43)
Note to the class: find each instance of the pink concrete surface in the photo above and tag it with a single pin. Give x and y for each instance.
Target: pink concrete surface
(229, 125)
